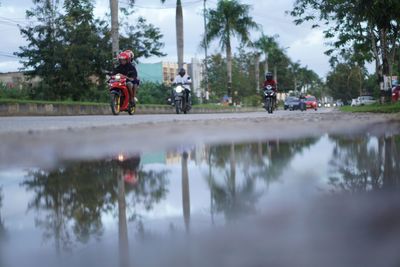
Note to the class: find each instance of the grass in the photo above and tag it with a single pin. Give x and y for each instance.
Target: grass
(375, 108)
(21, 101)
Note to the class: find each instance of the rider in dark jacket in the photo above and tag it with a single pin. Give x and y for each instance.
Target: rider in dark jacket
(126, 68)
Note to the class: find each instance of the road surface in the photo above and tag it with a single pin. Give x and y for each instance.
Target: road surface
(44, 141)
(25, 124)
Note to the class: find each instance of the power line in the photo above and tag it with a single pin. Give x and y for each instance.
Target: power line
(163, 7)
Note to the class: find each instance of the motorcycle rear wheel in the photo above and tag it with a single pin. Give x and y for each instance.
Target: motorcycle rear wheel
(115, 104)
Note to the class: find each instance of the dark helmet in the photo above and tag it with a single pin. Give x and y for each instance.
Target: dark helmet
(269, 76)
(182, 72)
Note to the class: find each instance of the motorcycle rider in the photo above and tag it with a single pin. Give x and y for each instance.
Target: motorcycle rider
(126, 68)
(269, 81)
(186, 81)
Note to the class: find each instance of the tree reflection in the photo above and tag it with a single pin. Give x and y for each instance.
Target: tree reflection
(71, 200)
(185, 191)
(247, 163)
(365, 164)
(2, 228)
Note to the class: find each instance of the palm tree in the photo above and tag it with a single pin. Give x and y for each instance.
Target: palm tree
(179, 31)
(268, 45)
(229, 19)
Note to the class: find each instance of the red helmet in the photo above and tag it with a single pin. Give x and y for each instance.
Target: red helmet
(124, 56)
(131, 54)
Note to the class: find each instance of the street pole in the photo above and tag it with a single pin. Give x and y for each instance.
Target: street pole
(114, 27)
(206, 50)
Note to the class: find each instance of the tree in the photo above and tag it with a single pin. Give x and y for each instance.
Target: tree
(342, 83)
(179, 32)
(69, 49)
(229, 19)
(41, 57)
(366, 27)
(268, 45)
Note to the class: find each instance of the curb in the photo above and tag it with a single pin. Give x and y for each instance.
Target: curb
(84, 110)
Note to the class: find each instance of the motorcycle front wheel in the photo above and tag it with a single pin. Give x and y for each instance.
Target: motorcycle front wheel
(178, 106)
(131, 110)
(115, 104)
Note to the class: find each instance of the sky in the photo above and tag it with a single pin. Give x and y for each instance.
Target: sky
(302, 43)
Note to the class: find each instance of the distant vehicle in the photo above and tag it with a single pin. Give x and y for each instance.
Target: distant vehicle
(396, 94)
(363, 100)
(311, 102)
(339, 103)
(292, 103)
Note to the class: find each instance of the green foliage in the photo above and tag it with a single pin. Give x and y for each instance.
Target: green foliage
(375, 108)
(69, 49)
(365, 29)
(14, 93)
(344, 82)
(153, 93)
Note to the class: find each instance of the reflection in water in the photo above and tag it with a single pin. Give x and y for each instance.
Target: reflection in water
(262, 161)
(185, 191)
(73, 204)
(2, 228)
(361, 164)
(71, 200)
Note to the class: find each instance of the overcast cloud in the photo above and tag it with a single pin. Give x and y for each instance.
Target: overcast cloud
(303, 44)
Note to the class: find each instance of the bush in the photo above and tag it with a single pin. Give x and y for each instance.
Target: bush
(14, 93)
(153, 93)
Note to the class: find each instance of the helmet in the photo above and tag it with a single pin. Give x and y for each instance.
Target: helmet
(269, 76)
(123, 56)
(182, 72)
(131, 54)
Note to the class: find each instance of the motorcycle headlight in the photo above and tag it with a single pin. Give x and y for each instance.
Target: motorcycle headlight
(117, 78)
(179, 89)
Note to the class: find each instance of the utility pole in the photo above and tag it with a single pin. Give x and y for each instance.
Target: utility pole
(206, 51)
(114, 27)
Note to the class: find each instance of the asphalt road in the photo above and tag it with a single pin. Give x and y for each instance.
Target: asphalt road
(44, 141)
(25, 124)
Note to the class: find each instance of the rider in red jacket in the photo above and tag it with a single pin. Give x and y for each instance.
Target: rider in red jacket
(269, 80)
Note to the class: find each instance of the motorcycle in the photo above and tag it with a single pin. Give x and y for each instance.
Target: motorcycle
(119, 95)
(181, 99)
(269, 99)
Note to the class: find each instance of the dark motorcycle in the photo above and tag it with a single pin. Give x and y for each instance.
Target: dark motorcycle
(269, 99)
(181, 99)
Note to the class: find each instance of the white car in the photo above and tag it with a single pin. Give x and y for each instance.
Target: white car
(363, 100)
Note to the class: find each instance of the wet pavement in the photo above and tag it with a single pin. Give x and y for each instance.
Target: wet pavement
(330, 198)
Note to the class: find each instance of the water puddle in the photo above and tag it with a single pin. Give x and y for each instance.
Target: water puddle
(328, 201)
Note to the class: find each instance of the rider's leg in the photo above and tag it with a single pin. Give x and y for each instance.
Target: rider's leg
(130, 89)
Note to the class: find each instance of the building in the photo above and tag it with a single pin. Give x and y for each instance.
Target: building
(16, 80)
(165, 72)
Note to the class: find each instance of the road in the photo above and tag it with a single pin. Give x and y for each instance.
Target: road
(42, 141)
(25, 124)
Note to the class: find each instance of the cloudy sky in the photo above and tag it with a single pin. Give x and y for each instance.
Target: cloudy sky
(303, 44)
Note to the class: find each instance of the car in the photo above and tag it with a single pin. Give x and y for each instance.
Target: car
(396, 93)
(363, 100)
(292, 103)
(366, 100)
(311, 102)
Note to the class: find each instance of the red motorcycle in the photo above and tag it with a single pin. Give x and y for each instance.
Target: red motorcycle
(119, 95)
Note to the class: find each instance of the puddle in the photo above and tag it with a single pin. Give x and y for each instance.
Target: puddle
(328, 201)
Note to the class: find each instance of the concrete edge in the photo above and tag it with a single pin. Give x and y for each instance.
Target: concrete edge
(34, 109)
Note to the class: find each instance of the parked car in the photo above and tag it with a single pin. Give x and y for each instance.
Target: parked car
(366, 100)
(292, 103)
(363, 100)
(311, 102)
(396, 94)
